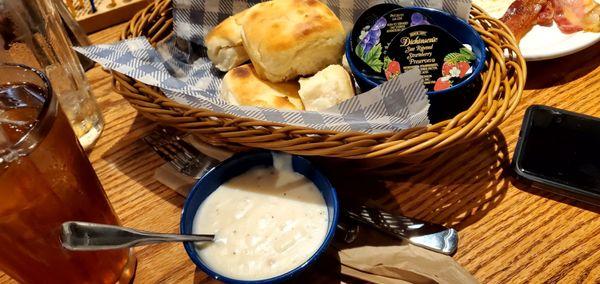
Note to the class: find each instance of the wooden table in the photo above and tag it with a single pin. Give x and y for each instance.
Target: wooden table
(509, 233)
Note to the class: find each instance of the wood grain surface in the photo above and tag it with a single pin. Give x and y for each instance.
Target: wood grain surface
(509, 232)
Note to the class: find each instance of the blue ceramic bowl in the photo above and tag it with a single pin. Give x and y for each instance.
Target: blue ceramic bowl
(235, 166)
(454, 25)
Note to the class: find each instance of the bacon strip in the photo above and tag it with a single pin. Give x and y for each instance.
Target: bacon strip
(522, 15)
(546, 16)
(568, 15)
(575, 15)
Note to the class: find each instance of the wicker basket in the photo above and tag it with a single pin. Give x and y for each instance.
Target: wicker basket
(502, 87)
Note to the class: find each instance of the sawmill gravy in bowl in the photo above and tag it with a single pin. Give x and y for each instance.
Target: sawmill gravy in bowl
(272, 215)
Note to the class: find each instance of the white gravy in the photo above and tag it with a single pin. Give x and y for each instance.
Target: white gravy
(266, 222)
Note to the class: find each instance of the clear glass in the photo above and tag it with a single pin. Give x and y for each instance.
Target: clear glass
(31, 33)
(45, 180)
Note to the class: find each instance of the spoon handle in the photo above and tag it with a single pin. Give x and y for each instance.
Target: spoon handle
(83, 236)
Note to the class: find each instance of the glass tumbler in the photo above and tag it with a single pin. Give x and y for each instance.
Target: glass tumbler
(45, 180)
(31, 33)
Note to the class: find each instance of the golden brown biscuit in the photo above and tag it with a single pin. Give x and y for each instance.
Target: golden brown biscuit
(241, 86)
(224, 43)
(288, 38)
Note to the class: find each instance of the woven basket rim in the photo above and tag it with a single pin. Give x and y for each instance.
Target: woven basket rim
(502, 85)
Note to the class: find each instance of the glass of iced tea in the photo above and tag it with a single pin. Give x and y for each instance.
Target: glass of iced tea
(45, 180)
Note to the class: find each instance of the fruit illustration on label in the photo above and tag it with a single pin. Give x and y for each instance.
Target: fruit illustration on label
(392, 68)
(446, 68)
(369, 48)
(418, 19)
(459, 69)
(456, 65)
(442, 83)
(463, 67)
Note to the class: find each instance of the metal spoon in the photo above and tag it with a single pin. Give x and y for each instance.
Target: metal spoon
(83, 236)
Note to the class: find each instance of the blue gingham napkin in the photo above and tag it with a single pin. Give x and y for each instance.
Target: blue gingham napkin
(182, 71)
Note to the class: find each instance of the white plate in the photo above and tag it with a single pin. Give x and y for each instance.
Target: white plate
(543, 43)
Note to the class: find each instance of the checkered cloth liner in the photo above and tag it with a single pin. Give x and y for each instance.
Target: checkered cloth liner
(190, 78)
(195, 18)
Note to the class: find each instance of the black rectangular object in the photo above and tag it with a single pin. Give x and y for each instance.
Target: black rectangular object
(560, 150)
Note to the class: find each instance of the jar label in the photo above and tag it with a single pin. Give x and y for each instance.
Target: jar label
(443, 60)
(362, 46)
(374, 39)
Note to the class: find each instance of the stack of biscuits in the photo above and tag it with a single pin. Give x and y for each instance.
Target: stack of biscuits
(282, 54)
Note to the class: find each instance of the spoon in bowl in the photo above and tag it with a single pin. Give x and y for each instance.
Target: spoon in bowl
(84, 236)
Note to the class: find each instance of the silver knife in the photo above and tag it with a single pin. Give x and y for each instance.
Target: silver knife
(420, 233)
